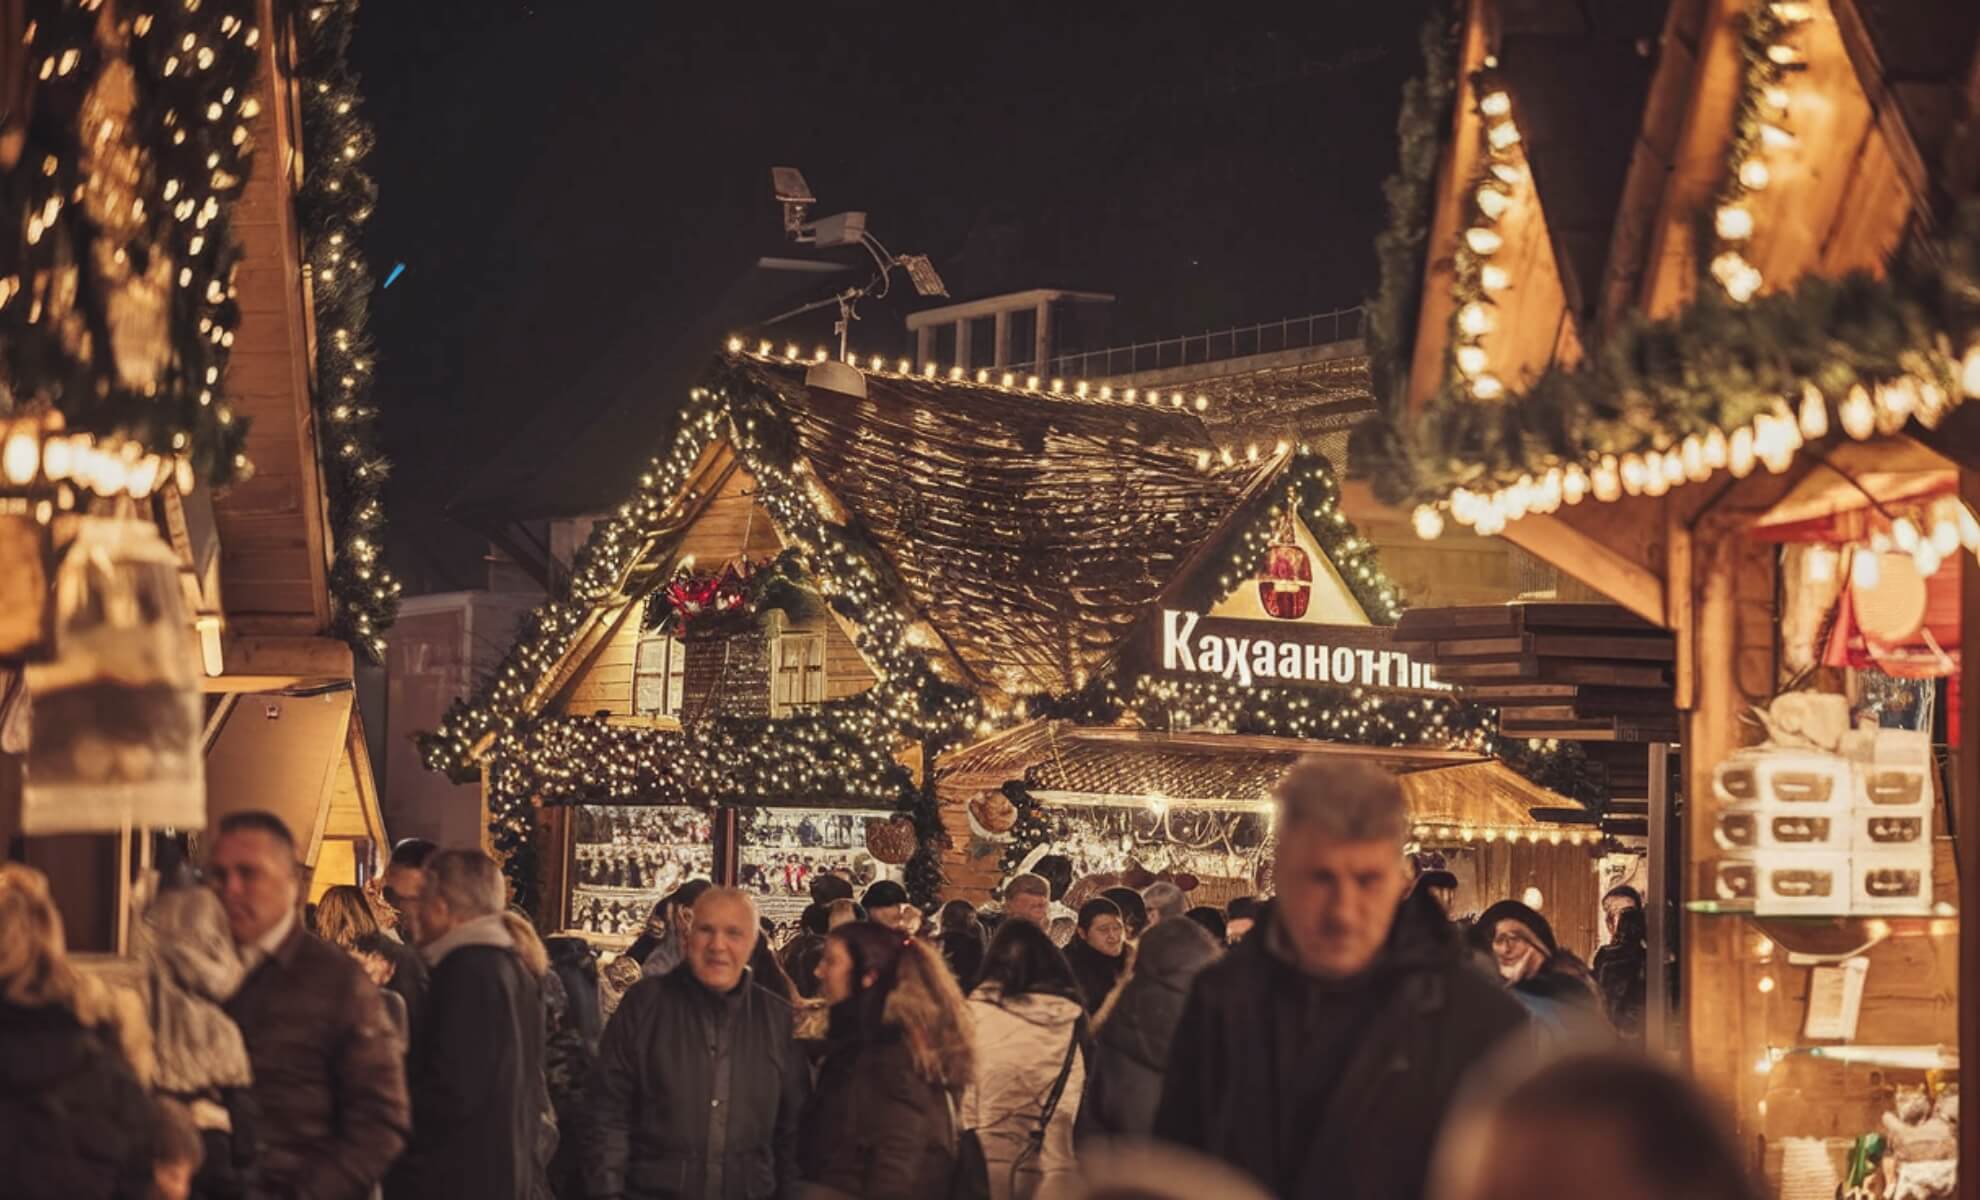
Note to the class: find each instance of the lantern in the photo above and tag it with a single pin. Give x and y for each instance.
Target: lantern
(1285, 585)
(114, 740)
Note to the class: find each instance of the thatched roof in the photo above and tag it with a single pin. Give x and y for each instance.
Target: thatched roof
(1031, 530)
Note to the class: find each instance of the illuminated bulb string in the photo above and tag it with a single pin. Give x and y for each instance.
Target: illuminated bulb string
(1761, 134)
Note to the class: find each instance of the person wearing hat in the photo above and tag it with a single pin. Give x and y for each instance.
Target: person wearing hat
(1552, 984)
(885, 903)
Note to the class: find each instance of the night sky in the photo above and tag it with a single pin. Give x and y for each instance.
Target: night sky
(569, 182)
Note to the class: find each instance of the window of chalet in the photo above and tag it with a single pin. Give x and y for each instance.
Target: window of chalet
(659, 675)
(797, 674)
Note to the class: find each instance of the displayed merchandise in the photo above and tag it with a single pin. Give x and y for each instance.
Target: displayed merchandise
(116, 713)
(1922, 1158)
(783, 849)
(625, 857)
(1825, 819)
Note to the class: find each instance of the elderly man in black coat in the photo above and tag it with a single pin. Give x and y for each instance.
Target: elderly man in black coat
(1321, 1054)
(476, 1067)
(699, 1083)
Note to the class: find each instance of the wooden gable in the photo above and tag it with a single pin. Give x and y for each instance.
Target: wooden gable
(728, 524)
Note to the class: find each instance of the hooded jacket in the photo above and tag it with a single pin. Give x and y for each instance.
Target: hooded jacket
(1131, 1049)
(475, 1070)
(73, 1119)
(1265, 1075)
(191, 970)
(1560, 997)
(1020, 1048)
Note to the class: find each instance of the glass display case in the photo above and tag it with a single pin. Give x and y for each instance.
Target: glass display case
(625, 857)
(783, 848)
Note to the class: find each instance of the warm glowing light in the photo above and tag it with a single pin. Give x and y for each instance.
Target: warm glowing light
(1475, 319)
(1471, 359)
(1754, 174)
(1495, 104)
(1734, 223)
(1428, 521)
(1494, 278)
(1493, 202)
(1483, 240)
(1864, 570)
(1503, 136)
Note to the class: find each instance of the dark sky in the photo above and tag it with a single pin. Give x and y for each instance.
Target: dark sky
(566, 181)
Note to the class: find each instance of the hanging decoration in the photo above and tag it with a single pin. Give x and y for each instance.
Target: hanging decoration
(1769, 59)
(333, 203)
(894, 840)
(1285, 586)
(117, 305)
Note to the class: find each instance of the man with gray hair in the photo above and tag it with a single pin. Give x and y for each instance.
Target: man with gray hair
(699, 1083)
(1321, 1054)
(476, 1067)
(1163, 900)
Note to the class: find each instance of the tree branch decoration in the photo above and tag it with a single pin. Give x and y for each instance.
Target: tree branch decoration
(333, 203)
(117, 306)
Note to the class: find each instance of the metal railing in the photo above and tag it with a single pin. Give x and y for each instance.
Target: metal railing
(1267, 337)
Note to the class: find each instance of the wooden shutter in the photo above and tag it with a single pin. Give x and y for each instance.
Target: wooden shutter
(676, 676)
(659, 676)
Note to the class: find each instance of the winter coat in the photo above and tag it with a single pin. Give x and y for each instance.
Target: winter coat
(874, 1127)
(1313, 1107)
(695, 1095)
(329, 1078)
(1562, 1001)
(1097, 973)
(573, 961)
(1020, 1048)
(800, 962)
(1622, 976)
(410, 977)
(1131, 1049)
(74, 1121)
(191, 970)
(476, 1071)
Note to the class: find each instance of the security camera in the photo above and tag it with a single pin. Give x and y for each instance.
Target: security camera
(788, 184)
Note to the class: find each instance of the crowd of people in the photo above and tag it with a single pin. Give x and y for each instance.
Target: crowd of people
(1348, 1038)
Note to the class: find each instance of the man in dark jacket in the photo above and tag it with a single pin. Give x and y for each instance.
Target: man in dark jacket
(328, 1078)
(476, 1068)
(699, 1083)
(1322, 1053)
(1131, 1050)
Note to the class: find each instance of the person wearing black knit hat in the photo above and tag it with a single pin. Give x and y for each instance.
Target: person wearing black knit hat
(883, 903)
(1553, 984)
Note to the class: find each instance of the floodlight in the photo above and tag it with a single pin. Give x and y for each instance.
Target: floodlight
(923, 275)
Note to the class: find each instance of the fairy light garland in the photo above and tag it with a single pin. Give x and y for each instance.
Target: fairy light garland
(1770, 59)
(1500, 184)
(333, 202)
(159, 181)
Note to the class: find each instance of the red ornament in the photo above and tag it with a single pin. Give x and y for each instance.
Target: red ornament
(1285, 586)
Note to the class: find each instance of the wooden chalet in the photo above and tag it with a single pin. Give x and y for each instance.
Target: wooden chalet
(956, 589)
(1627, 355)
(280, 729)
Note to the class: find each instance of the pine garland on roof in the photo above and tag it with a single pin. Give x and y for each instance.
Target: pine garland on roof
(334, 202)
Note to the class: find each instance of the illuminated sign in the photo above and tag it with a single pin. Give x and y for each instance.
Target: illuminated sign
(1287, 654)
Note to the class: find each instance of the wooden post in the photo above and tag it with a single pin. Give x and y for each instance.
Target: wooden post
(1041, 339)
(924, 345)
(728, 846)
(962, 342)
(1967, 801)
(1000, 351)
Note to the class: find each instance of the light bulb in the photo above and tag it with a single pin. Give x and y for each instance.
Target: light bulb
(1927, 558)
(1905, 534)
(1605, 481)
(1734, 223)
(1858, 413)
(1821, 564)
(1692, 453)
(1739, 452)
(1471, 359)
(1784, 55)
(1969, 529)
(1945, 537)
(1634, 474)
(1574, 485)
(1969, 372)
(1493, 202)
(1483, 240)
(1753, 174)
(1503, 136)
(1774, 137)
(1495, 104)
(1494, 278)
(1487, 387)
(1775, 97)
(1475, 319)
(1814, 415)
(1428, 521)
(1863, 569)
(20, 458)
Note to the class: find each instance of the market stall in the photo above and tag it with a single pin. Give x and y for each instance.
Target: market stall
(1750, 424)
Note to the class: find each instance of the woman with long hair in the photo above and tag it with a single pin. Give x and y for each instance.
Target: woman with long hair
(879, 1123)
(346, 919)
(74, 1119)
(1030, 1063)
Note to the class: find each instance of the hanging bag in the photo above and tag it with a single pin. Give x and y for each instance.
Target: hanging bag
(1036, 1142)
(970, 1179)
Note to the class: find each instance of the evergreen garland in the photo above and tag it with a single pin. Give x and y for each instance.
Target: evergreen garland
(333, 203)
(1030, 831)
(192, 69)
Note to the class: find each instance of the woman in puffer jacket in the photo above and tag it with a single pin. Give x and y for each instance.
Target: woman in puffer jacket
(1131, 1046)
(879, 1123)
(1029, 1018)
